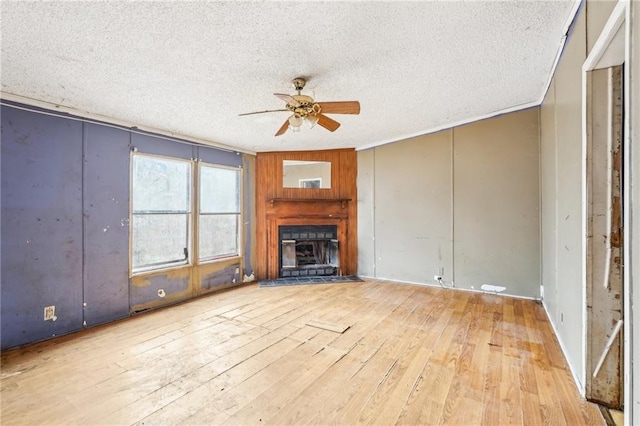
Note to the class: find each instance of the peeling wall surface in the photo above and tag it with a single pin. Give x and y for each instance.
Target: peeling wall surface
(65, 227)
(604, 290)
(470, 207)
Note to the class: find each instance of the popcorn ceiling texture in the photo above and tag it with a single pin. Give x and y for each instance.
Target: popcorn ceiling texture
(192, 67)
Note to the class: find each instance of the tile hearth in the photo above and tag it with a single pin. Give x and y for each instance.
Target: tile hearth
(309, 280)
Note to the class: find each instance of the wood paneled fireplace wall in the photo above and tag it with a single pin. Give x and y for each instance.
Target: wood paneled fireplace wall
(278, 206)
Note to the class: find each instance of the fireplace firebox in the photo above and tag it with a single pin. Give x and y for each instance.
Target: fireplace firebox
(308, 250)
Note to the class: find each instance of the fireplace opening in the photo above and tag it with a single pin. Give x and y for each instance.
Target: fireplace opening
(308, 250)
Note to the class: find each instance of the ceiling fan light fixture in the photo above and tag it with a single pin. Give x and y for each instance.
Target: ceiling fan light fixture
(303, 108)
(295, 121)
(311, 120)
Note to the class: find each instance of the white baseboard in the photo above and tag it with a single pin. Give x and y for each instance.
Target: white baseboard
(447, 287)
(576, 378)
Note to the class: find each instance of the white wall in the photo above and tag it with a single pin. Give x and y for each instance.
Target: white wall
(412, 201)
(548, 191)
(560, 200)
(561, 130)
(561, 186)
(366, 214)
(496, 203)
(464, 201)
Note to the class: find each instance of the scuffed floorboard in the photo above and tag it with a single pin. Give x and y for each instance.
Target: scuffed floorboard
(412, 355)
(330, 326)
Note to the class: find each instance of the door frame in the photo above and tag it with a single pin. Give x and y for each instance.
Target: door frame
(612, 48)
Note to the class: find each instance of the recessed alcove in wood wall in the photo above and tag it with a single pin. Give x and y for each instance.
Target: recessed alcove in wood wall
(277, 205)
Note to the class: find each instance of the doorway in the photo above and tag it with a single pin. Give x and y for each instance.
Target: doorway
(605, 235)
(604, 142)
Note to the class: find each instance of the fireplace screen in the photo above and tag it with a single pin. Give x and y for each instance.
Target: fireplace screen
(309, 250)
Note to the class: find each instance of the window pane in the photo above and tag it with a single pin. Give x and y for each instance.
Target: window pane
(160, 184)
(159, 239)
(219, 190)
(218, 235)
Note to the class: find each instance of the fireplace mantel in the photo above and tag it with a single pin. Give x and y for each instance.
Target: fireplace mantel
(343, 201)
(305, 207)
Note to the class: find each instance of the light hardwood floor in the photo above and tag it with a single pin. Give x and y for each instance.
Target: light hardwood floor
(413, 355)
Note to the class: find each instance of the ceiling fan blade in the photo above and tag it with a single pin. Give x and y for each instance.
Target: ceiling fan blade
(262, 112)
(342, 107)
(283, 129)
(328, 123)
(288, 99)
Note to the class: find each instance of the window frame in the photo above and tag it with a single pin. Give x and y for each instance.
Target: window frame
(189, 215)
(198, 213)
(193, 216)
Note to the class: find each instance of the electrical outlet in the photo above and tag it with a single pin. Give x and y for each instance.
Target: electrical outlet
(50, 313)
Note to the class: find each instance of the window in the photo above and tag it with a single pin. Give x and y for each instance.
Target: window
(163, 221)
(161, 211)
(219, 218)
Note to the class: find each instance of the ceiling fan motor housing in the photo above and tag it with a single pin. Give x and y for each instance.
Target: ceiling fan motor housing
(306, 106)
(299, 83)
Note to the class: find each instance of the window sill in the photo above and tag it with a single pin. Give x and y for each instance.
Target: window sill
(161, 271)
(219, 260)
(173, 269)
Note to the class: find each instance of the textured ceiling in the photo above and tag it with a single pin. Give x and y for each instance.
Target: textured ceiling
(191, 67)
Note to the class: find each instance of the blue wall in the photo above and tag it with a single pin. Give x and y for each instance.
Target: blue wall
(65, 221)
(106, 223)
(41, 226)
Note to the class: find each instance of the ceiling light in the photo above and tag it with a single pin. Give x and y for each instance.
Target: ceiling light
(311, 120)
(295, 121)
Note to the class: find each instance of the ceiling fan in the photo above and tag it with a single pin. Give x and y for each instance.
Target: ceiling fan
(304, 108)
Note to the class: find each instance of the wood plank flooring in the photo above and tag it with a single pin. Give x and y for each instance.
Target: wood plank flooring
(412, 355)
